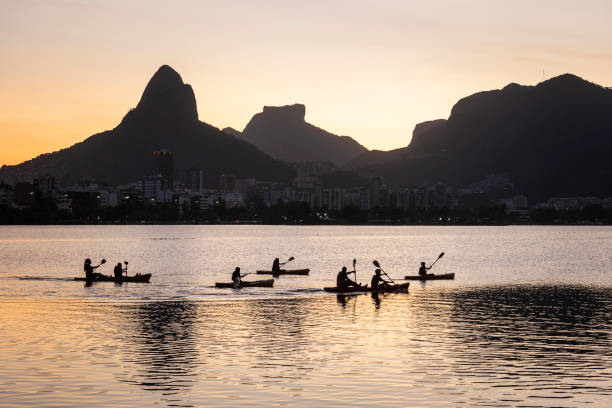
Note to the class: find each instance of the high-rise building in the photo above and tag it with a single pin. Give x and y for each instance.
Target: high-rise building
(195, 180)
(164, 166)
(227, 183)
(150, 186)
(331, 198)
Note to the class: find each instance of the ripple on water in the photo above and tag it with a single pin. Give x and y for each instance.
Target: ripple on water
(496, 346)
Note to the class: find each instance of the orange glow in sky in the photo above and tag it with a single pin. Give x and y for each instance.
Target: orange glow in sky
(368, 69)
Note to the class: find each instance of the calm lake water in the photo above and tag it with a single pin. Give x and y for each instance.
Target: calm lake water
(526, 323)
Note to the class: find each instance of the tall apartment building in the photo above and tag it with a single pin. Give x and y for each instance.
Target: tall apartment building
(164, 166)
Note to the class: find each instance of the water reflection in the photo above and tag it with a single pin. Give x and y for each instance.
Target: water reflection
(544, 340)
(163, 341)
(489, 346)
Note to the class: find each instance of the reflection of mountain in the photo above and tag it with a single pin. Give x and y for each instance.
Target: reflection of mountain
(165, 345)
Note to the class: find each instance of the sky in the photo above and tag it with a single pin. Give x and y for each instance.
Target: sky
(371, 70)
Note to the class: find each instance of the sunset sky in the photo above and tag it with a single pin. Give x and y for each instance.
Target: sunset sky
(367, 69)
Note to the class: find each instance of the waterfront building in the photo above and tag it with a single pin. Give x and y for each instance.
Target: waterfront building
(227, 183)
(150, 186)
(331, 199)
(195, 180)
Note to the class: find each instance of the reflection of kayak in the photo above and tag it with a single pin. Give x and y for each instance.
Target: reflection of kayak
(106, 278)
(397, 288)
(268, 283)
(285, 272)
(430, 276)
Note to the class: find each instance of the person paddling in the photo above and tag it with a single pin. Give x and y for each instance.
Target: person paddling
(276, 265)
(89, 269)
(118, 271)
(236, 277)
(423, 269)
(378, 282)
(343, 281)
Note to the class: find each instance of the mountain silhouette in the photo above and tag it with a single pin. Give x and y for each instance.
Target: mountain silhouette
(282, 132)
(552, 139)
(166, 117)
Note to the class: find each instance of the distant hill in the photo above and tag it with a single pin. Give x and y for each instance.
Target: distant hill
(165, 118)
(282, 132)
(552, 139)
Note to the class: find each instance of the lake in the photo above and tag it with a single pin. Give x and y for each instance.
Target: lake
(526, 322)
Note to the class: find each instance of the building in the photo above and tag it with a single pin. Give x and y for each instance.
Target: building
(378, 192)
(244, 185)
(352, 197)
(195, 180)
(46, 185)
(150, 186)
(331, 199)
(410, 199)
(227, 183)
(164, 166)
(25, 194)
(7, 195)
(439, 196)
(306, 195)
(365, 200)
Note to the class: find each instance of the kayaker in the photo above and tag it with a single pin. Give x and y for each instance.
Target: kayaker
(118, 271)
(378, 281)
(276, 265)
(423, 269)
(343, 281)
(89, 269)
(236, 277)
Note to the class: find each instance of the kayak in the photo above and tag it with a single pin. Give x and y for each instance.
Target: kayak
(430, 276)
(285, 272)
(105, 278)
(268, 283)
(397, 288)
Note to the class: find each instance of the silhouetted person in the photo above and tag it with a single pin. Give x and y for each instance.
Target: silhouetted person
(236, 277)
(89, 269)
(276, 265)
(118, 271)
(343, 281)
(423, 269)
(378, 282)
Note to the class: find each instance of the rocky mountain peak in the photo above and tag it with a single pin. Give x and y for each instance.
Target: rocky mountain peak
(166, 95)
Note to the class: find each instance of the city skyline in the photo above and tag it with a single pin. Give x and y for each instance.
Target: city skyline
(73, 69)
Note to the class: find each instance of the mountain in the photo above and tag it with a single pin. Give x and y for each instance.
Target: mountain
(282, 132)
(552, 139)
(166, 117)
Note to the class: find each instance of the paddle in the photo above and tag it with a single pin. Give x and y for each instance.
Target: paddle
(125, 270)
(376, 264)
(288, 260)
(434, 262)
